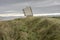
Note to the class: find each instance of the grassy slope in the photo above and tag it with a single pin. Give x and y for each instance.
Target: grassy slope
(31, 28)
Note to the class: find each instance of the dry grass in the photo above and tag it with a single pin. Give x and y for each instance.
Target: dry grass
(31, 28)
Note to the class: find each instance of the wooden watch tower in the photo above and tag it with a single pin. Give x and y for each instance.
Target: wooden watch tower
(27, 11)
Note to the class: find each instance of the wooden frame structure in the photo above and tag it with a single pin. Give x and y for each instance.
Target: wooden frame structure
(27, 11)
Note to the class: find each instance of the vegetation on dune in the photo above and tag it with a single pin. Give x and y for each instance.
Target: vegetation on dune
(31, 28)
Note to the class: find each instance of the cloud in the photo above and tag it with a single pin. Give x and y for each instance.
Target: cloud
(10, 11)
(11, 14)
(14, 7)
(50, 14)
(40, 5)
(44, 3)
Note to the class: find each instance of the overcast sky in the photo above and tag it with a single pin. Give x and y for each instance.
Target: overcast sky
(38, 6)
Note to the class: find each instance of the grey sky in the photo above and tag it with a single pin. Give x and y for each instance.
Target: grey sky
(38, 6)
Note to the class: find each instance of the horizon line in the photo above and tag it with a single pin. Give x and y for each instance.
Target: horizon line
(44, 14)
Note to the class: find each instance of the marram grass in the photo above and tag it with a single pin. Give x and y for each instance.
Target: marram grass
(31, 28)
